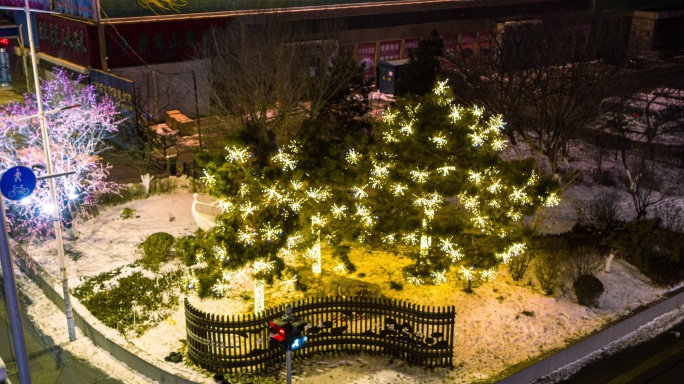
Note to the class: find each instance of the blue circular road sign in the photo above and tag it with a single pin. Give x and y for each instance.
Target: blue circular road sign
(17, 183)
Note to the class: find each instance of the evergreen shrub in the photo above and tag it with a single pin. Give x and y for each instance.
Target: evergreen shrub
(155, 249)
(588, 289)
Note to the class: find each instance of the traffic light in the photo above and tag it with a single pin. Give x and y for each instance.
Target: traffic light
(296, 340)
(279, 330)
(288, 334)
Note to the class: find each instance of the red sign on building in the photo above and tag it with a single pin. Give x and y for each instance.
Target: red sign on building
(366, 58)
(151, 43)
(467, 44)
(409, 45)
(390, 50)
(68, 40)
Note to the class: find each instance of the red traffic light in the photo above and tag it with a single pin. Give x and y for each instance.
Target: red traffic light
(279, 329)
(4, 42)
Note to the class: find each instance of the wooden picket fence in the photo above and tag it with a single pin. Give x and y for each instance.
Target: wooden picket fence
(419, 335)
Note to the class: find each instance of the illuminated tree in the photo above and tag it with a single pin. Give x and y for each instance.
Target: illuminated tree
(77, 135)
(436, 184)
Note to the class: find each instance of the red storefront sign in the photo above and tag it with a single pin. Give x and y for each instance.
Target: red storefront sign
(154, 42)
(390, 50)
(67, 39)
(450, 50)
(409, 45)
(366, 58)
(467, 44)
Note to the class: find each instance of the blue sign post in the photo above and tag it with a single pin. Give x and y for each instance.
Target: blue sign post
(18, 182)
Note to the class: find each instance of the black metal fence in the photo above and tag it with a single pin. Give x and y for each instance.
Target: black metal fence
(418, 334)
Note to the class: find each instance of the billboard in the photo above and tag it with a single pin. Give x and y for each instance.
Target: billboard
(366, 57)
(67, 39)
(390, 50)
(409, 45)
(33, 4)
(80, 8)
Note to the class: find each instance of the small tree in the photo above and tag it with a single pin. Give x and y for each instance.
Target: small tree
(77, 135)
(548, 270)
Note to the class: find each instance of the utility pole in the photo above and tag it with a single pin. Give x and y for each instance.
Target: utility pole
(51, 183)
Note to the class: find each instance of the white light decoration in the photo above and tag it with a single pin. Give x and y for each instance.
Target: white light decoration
(494, 203)
(208, 179)
(441, 88)
(248, 209)
(488, 274)
(47, 207)
(499, 144)
(467, 273)
(514, 250)
(414, 280)
(237, 154)
(407, 129)
(389, 116)
(263, 265)
(199, 256)
(365, 214)
(475, 177)
(359, 192)
(514, 215)
(477, 111)
(398, 189)
(495, 186)
(379, 169)
(296, 205)
(519, 196)
(495, 124)
(258, 296)
(219, 289)
(220, 253)
(481, 222)
(244, 190)
(390, 138)
(339, 268)
(289, 284)
(270, 233)
(429, 202)
(272, 193)
(471, 203)
(286, 160)
(551, 200)
(476, 138)
(411, 238)
(533, 179)
(353, 157)
(439, 277)
(318, 221)
(224, 205)
(338, 211)
(446, 169)
(456, 111)
(419, 175)
(439, 140)
(246, 237)
(318, 194)
(389, 239)
(296, 185)
(189, 279)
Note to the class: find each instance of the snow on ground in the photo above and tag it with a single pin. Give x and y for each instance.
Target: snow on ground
(500, 324)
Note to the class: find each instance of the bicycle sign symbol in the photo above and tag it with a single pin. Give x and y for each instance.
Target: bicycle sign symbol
(18, 189)
(17, 183)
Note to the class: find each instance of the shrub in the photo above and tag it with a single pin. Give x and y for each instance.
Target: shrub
(127, 213)
(155, 249)
(588, 289)
(396, 286)
(548, 270)
(517, 266)
(585, 260)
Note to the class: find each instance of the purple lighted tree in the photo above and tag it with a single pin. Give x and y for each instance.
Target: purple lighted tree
(78, 122)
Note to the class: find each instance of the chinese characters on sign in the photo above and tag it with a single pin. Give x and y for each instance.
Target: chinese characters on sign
(82, 8)
(390, 50)
(409, 45)
(66, 39)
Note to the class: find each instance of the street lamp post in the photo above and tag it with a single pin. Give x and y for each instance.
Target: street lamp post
(51, 183)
